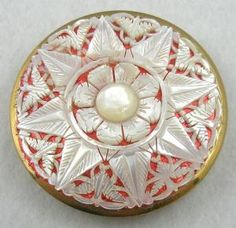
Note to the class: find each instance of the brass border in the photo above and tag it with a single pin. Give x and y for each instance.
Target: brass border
(137, 210)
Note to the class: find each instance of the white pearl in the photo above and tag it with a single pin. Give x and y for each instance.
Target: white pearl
(117, 102)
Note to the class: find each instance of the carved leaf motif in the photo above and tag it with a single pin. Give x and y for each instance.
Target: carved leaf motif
(71, 146)
(142, 161)
(156, 49)
(49, 119)
(48, 163)
(105, 185)
(121, 166)
(203, 112)
(126, 72)
(157, 186)
(74, 40)
(165, 175)
(197, 120)
(45, 151)
(176, 142)
(188, 174)
(88, 119)
(109, 133)
(100, 76)
(76, 159)
(136, 27)
(60, 66)
(84, 95)
(38, 90)
(102, 185)
(183, 90)
(183, 53)
(132, 170)
(135, 129)
(42, 146)
(145, 86)
(105, 42)
(150, 109)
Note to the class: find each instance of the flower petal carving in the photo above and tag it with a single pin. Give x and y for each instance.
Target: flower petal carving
(135, 129)
(109, 133)
(150, 109)
(100, 76)
(146, 86)
(84, 95)
(88, 119)
(126, 73)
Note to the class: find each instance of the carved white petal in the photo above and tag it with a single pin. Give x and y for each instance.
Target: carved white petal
(77, 158)
(42, 146)
(198, 120)
(122, 167)
(100, 76)
(70, 148)
(135, 129)
(109, 133)
(88, 119)
(48, 163)
(38, 90)
(176, 142)
(126, 72)
(157, 186)
(105, 185)
(49, 119)
(136, 27)
(101, 184)
(85, 95)
(156, 48)
(183, 90)
(146, 86)
(142, 161)
(61, 42)
(202, 112)
(105, 42)
(150, 109)
(58, 43)
(178, 171)
(133, 170)
(183, 52)
(60, 66)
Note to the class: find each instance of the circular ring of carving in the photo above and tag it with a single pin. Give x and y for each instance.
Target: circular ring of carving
(118, 113)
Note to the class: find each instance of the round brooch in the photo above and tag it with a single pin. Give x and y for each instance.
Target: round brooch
(117, 113)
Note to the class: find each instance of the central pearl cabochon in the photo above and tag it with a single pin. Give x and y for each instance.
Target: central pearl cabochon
(117, 102)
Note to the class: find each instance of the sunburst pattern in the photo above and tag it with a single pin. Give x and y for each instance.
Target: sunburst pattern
(129, 163)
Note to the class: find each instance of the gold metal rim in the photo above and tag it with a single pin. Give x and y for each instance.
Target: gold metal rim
(135, 211)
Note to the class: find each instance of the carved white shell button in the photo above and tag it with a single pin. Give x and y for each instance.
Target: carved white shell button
(118, 113)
